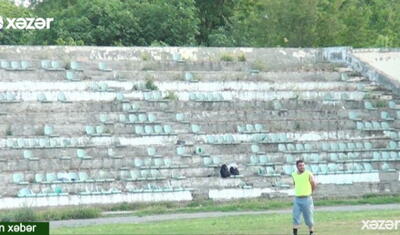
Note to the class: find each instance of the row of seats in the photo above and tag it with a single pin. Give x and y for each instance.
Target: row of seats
(139, 118)
(373, 126)
(101, 87)
(393, 135)
(156, 163)
(8, 97)
(98, 190)
(346, 147)
(129, 107)
(151, 151)
(99, 130)
(50, 65)
(63, 177)
(27, 143)
(355, 116)
(262, 159)
(221, 139)
(143, 175)
(270, 138)
(189, 77)
(249, 128)
(153, 96)
(330, 147)
(330, 168)
(333, 168)
(21, 65)
(391, 104)
(268, 171)
(206, 97)
(61, 97)
(349, 157)
(80, 153)
(153, 188)
(54, 190)
(153, 130)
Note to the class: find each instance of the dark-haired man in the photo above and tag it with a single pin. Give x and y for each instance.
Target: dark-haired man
(304, 186)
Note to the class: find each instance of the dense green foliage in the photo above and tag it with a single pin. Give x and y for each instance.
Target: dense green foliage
(255, 23)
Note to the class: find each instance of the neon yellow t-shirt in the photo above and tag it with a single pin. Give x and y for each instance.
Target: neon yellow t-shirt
(302, 185)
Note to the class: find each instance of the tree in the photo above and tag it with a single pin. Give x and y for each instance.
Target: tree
(12, 36)
(172, 22)
(96, 22)
(214, 18)
(122, 23)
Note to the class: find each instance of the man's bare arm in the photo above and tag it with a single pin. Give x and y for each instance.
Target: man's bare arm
(313, 183)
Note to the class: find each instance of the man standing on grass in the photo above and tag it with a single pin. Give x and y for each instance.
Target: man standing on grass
(304, 185)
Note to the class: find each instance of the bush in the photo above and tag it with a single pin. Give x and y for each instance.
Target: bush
(28, 214)
(258, 65)
(171, 96)
(145, 56)
(8, 131)
(227, 58)
(22, 215)
(381, 104)
(150, 85)
(242, 58)
(69, 213)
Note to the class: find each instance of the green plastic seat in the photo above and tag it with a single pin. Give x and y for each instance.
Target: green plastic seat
(282, 147)
(263, 159)
(49, 130)
(386, 116)
(29, 155)
(25, 192)
(148, 130)
(368, 105)
(256, 149)
(139, 130)
(258, 127)
(376, 156)
(392, 105)
(291, 147)
(112, 154)
(167, 129)
(72, 76)
(254, 160)
(354, 116)
(84, 177)
(333, 157)
(62, 98)
(142, 118)
(151, 118)
(392, 145)
(18, 178)
(195, 128)
(75, 65)
(182, 152)
(42, 98)
(81, 154)
(102, 66)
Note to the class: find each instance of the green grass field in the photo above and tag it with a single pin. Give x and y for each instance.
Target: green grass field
(255, 204)
(341, 223)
